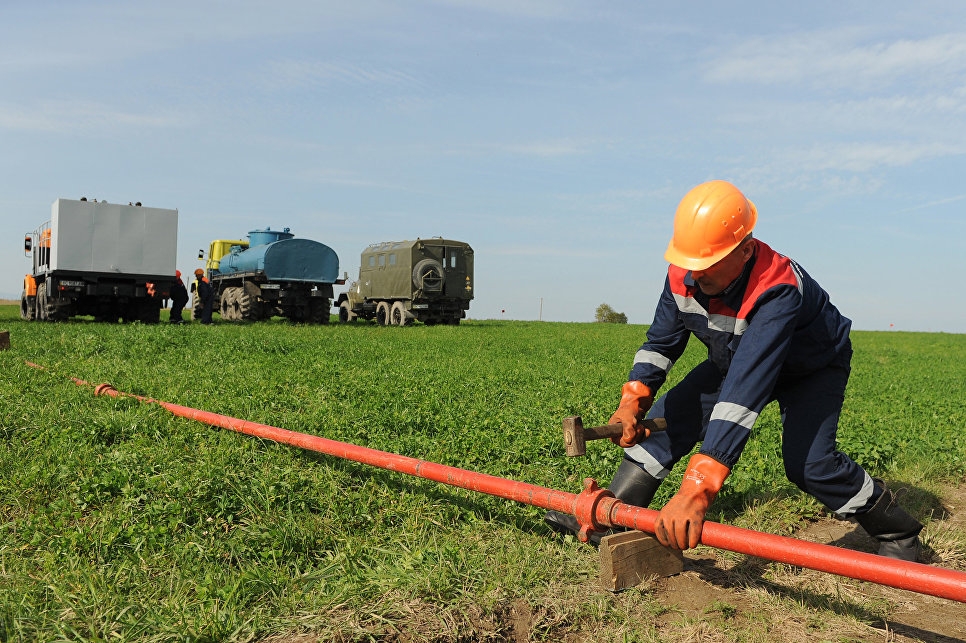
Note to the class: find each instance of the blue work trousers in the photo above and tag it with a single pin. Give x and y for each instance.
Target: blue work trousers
(810, 407)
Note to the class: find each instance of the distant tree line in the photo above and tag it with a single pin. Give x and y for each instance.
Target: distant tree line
(607, 315)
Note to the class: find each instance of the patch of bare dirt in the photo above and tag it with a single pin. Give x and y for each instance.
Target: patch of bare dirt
(711, 583)
(719, 596)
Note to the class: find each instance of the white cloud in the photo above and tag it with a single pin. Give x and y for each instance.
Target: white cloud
(863, 157)
(79, 117)
(545, 149)
(516, 8)
(839, 167)
(349, 179)
(38, 35)
(294, 74)
(835, 60)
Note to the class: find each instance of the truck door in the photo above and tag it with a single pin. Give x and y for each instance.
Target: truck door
(454, 266)
(367, 275)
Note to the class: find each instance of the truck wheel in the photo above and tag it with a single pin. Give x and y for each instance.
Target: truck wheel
(398, 314)
(229, 305)
(265, 310)
(196, 307)
(428, 276)
(130, 312)
(319, 311)
(244, 305)
(149, 311)
(28, 307)
(42, 302)
(345, 313)
(46, 309)
(106, 312)
(382, 313)
(224, 304)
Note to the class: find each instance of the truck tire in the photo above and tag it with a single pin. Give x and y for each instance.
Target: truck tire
(229, 305)
(42, 307)
(28, 307)
(428, 276)
(130, 312)
(149, 311)
(196, 307)
(319, 310)
(345, 313)
(244, 305)
(296, 314)
(223, 305)
(106, 312)
(56, 312)
(382, 314)
(398, 314)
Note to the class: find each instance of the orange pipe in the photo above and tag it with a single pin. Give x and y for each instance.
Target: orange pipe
(597, 509)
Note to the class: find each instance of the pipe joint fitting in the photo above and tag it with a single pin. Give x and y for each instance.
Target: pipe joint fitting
(590, 503)
(105, 389)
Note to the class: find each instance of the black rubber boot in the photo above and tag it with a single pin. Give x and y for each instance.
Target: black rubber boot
(896, 531)
(631, 484)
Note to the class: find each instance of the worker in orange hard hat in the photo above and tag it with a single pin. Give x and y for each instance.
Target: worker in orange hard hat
(204, 297)
(772, 335)
(179, 298)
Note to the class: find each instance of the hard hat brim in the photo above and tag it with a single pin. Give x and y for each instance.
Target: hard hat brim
(677, 258)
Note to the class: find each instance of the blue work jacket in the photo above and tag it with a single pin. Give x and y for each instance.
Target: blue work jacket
(773, 325)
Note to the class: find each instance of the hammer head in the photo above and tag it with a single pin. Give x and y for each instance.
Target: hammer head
(573, 434)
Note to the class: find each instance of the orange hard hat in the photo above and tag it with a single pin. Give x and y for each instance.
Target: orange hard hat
(711, 220)
(199, 271)
(177, 273)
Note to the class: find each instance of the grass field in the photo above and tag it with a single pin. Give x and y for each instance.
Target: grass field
(120, 521)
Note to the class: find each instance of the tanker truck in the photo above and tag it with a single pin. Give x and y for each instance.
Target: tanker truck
(106, 260)
(271, 273)
(427, 280)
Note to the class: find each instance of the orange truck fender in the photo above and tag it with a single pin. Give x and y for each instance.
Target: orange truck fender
(30, 286)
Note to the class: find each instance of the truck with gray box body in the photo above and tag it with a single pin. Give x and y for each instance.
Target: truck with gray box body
(428, 280)
(103, 259)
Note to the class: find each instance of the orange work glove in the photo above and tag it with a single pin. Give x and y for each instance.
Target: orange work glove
(636, 399)
(680, 522)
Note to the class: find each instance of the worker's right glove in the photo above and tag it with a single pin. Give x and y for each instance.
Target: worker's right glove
(636, 399)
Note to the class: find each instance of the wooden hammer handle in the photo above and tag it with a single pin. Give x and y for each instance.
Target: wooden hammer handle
(617, 430)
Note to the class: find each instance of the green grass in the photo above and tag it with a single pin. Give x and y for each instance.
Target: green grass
(120, 521)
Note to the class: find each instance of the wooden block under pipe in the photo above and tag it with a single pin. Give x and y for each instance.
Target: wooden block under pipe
(628, 557)
(4, 340)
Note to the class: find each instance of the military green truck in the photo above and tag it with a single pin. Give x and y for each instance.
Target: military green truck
(426, 280)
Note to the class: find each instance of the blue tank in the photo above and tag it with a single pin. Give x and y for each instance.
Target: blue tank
(283, 258)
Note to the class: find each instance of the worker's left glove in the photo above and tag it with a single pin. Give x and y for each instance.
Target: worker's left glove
(636, 399)
(681, 520)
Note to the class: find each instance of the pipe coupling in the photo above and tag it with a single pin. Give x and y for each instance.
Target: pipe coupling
(590, 503)
(105, 389)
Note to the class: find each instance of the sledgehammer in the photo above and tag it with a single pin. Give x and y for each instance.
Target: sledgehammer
(576, 436)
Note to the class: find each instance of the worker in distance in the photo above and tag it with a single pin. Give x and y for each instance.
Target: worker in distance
(772, 334)
(205, 294)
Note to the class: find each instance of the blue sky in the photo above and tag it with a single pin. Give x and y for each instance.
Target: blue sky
(556, 137)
